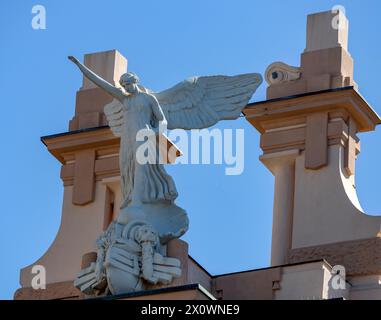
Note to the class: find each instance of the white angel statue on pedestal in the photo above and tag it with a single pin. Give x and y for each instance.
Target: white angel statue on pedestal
(148, 190)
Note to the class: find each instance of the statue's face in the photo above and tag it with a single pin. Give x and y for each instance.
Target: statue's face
(130, 87)
(129, 81)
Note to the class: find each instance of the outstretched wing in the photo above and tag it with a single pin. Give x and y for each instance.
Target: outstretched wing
(200, 102)
(114, 115)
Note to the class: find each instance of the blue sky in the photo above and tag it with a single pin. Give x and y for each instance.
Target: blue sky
(165, 42)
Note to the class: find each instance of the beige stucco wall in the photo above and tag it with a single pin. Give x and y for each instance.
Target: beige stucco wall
(198, 275)
(365, 288)
(80, 227)
(326, 208)
(302, 282)
(307, 281)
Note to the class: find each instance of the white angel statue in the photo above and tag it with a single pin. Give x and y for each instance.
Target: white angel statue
(198, 102)
(147, 189)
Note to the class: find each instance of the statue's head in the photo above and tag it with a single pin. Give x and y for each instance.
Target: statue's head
(129, 81)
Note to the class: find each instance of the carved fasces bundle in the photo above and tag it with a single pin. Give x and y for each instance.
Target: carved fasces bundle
(129, 258)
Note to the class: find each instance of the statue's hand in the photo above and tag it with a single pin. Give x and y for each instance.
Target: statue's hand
(73, 59)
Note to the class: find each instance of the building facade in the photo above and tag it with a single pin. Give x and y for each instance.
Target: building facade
(323, 244)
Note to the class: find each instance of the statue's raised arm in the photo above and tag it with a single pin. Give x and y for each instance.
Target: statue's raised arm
(100, 82)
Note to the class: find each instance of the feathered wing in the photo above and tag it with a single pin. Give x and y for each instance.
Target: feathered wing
(200, 102)
(114, 115)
